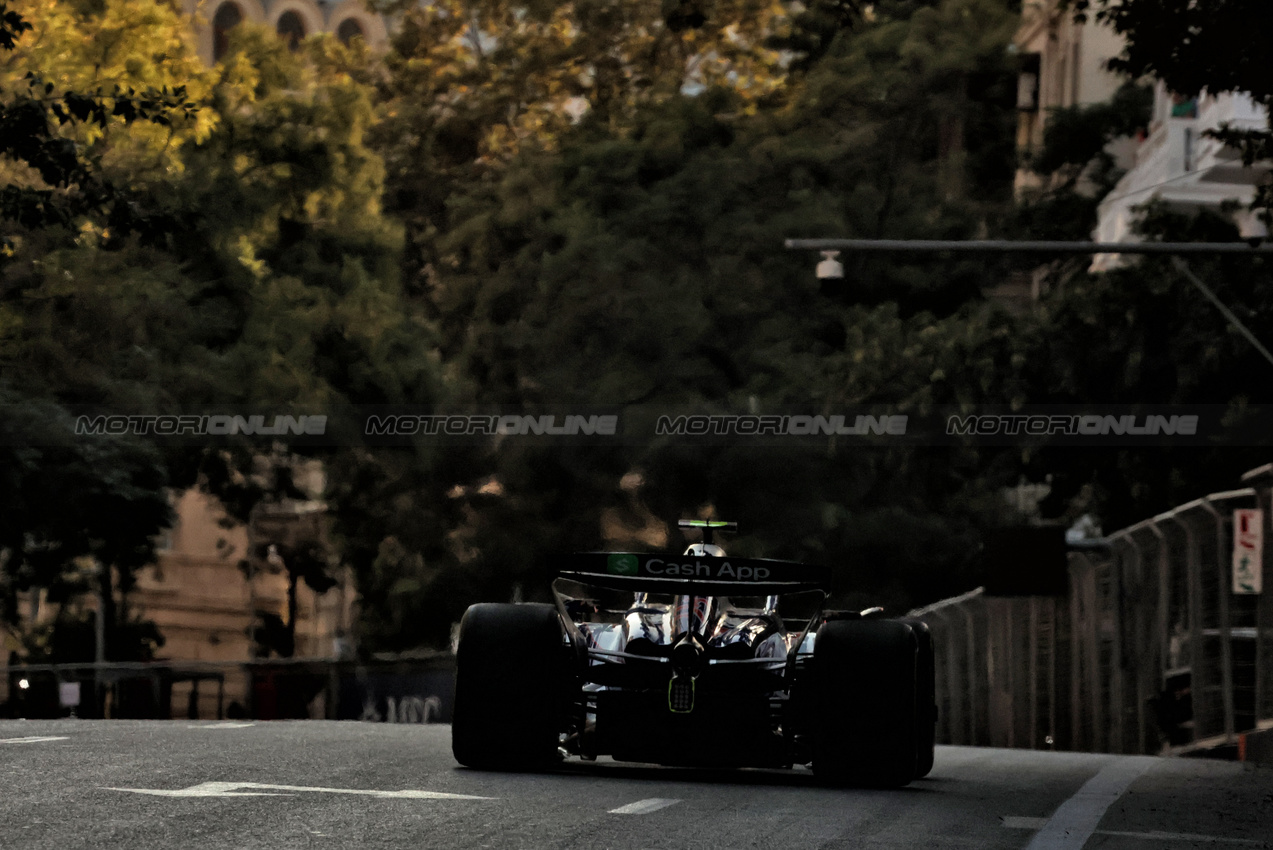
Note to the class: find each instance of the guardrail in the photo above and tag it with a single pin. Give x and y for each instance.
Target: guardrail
(1150, 652)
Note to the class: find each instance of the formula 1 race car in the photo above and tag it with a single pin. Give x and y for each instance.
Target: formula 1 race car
(687, 660)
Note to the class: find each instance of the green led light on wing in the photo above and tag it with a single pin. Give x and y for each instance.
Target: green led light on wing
(709, 526)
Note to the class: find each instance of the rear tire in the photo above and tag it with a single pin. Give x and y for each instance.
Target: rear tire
(512, 673)
(864, 716)
(925, 699)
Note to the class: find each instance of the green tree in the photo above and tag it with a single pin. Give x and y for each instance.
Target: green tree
(282, 291)
(470, 83)
(307, 558)
(1076, 166)
(76, 516)
(1142, 334)
(642, 268)
(67, 117)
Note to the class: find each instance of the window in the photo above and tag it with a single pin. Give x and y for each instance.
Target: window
(348, 30)
(291, 29)
(1184, 107)
(227, 18)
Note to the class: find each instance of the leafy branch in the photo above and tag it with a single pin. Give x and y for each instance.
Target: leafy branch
(31, 132)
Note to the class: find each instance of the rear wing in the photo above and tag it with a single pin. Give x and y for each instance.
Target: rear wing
(696, 575)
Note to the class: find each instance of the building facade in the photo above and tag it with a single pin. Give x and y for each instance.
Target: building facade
(291, 19)
(209, 592)
(212, 597)
(1062, 65)
(1180, 166)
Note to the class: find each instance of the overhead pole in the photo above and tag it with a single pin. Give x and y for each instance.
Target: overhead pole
(1176, 250)
(1257, 247)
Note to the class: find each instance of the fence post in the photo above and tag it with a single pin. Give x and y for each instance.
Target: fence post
(1164, 610)
(1053, 651)
(973, 679)
(947, 686)
(1008, 670)
(1196, 661)
(1264, 613)
(1076, 665)
(1140, 643)
(995, 666)
(1088, 716)
(1033, 742)
(1226, 648)
(1259, 479)
(1117, 671)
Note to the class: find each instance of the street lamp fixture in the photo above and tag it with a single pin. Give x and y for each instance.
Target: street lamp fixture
(830, 270)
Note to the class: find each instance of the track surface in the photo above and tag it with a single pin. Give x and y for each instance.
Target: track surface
(317, 784)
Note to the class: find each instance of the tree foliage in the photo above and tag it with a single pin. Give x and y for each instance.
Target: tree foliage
(471, 83)
(68, 116)
(1076, 167)
(1191, 45)
(638, 266)
(532, 205)
(281, 290)
(1142, 334)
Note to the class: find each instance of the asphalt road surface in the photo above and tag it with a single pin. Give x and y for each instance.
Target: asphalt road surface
(312, 784)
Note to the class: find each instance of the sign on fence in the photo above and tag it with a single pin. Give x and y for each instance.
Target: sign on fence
(1248, 551)
(68, 694)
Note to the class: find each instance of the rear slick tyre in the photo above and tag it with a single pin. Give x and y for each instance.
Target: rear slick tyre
(864, 702)
(511, 674)
(925, 699)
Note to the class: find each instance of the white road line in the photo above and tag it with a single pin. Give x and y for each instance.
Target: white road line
(1077, 818)
(205, 789)
(644, 807)
(258, 789)
(219, 725)
(32, 740)
(1013, 822)
(1179, 836)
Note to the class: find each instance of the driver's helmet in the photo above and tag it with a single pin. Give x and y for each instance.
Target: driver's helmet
(696, 614)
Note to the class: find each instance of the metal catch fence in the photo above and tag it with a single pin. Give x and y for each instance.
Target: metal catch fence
(1151, 651)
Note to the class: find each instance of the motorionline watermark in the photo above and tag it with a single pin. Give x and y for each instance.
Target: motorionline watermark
(191, 425)
(780, 425)
(473, 425)
(401, 425)
(1071, 425)
(351, 424)
(880, 425)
